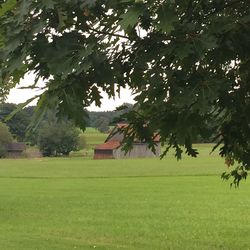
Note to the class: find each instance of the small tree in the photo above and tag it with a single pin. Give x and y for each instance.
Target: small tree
(57, 138)
(5, 139)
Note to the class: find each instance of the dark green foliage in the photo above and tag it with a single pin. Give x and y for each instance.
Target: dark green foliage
(57, 138)
(3, 151)
(102, 120)
(188, 62)
(5, 139)
(18, 124)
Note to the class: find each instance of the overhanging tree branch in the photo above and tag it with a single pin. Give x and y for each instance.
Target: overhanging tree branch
(224, 7)
(107, 33)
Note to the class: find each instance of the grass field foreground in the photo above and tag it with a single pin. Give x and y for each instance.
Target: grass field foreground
(78, 203)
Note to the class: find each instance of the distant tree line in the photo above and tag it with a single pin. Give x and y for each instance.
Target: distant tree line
(19, 123)
(54, 137)
(102, 120)
(59, 137)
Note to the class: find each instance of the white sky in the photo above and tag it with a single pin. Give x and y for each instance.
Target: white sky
(18, 95)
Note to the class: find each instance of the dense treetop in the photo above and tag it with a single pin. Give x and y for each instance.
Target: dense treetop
(186, 60)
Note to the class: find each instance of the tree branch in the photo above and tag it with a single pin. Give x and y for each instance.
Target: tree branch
(107, 33)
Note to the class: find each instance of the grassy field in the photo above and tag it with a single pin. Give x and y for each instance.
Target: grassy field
(79, 203)
(94, 137)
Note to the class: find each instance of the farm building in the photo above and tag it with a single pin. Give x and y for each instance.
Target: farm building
(15, 150)
(111, 148)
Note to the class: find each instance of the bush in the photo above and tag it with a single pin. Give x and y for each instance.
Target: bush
(58, 138)
(5, 139)
(3, 151)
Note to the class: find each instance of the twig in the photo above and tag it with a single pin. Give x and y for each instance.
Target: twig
(108, 33)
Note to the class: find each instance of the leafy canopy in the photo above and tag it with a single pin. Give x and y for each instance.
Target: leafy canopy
(186, 60)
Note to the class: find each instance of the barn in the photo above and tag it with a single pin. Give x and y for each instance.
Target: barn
(15, 150)
(111, 148)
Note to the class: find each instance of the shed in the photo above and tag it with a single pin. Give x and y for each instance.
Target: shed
(15, 149)
(111, 148)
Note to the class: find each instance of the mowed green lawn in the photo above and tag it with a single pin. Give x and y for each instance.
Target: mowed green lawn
(78, 203)
(94, 137)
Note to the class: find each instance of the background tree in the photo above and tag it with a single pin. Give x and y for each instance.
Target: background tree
(5, 139)
(57, 137)
(186, 61)
(102, 120)
(19, 123)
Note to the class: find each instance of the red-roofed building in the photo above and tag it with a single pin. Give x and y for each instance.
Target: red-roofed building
(111, 148)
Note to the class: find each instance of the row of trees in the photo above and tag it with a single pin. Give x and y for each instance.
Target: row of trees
(53, 137)
(102, 120)
(19, 123)
(58, 137)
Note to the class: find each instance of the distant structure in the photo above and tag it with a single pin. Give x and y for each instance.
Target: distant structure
(15, 150)
(111, 148)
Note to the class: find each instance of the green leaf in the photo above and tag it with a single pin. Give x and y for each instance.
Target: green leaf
(1, 40)
(95, 92)
(20, 107)
(7, 6)
(62, 17)
(130, 18)
(48, 4)
(166, 19)
(184, 50)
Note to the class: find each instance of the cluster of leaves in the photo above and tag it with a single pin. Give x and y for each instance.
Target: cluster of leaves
(187, 62)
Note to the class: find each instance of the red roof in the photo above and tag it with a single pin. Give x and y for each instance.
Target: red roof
(157, 138)
(108, 145)
(121, 125)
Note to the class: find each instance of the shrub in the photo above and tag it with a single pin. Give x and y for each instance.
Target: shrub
(5, 139)
(58, 138)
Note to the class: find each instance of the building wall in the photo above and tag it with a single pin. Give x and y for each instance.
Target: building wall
(140, 150)
(14, 154)
(103, 154)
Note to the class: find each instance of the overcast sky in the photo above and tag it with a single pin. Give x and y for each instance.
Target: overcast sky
(18, 95)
